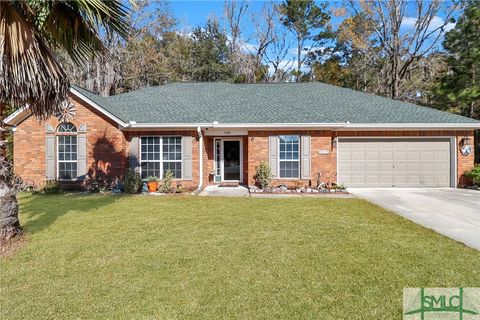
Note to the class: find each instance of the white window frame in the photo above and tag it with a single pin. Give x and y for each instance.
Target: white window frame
(289, 160)
(58, 161)
(161, 160)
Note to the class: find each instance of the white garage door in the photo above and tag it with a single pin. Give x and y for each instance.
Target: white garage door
(383, 162)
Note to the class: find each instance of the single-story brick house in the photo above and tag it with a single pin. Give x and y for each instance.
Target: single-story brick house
(209, 133)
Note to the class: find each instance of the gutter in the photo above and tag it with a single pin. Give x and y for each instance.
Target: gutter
(200, 159)
(335, 126)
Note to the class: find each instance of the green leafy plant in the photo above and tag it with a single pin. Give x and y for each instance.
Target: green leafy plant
(152, 179)
(133, 181)
(263, 174)
(52, 187)
(166, 184)
(474, 174)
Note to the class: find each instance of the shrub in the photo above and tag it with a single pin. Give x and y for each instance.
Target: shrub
(474, 174)
(166, 184)
(263, 174)
(152, 179)
(52, 187)
(133, 181)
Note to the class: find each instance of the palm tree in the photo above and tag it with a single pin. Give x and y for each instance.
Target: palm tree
(30, 32)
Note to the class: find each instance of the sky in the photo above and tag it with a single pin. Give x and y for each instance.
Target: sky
(193, 13)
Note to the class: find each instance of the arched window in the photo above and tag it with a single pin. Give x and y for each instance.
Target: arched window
(66, 127)
(67, 151)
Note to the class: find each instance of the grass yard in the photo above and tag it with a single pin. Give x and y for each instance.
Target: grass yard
(119, 257)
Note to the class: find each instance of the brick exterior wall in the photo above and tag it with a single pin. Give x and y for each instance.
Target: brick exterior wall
(108, 149)
(326, 164)
(106, 145)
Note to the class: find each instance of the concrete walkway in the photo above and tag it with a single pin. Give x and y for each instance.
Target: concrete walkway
(454, 213)
(239, 191)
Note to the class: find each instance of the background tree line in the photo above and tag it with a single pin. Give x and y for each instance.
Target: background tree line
(425, 61)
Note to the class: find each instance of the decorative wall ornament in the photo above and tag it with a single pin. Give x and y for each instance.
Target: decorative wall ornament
(67, 112)
(49, 128)
(82, 127)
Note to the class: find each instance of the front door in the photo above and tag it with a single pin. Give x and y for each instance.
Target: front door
(228, 160)
(231, 160)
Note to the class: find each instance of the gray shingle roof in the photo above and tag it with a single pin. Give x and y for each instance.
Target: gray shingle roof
(226, 103)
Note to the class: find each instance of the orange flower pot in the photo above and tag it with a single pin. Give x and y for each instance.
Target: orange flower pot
(152, 186)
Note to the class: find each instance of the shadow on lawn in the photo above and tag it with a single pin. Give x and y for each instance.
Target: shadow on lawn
(108, 163)
(41, 211)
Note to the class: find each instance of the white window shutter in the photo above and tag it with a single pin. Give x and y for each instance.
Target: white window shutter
(134, 155)
(305, 166)
(81, 157)
(187, 158)
(273, 154)
(50, 157)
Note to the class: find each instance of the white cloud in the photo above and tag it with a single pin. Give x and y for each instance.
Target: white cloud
(409, 22)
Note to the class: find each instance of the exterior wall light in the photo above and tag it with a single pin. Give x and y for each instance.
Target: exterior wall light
(465, 147)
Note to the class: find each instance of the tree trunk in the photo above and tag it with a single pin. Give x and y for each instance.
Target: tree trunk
(9, 223)
(299, 59)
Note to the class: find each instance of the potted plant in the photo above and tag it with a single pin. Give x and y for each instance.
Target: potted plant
(152, 183)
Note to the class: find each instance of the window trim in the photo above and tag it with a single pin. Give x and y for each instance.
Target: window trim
(161, 155)
(57, 157)
(289, 160)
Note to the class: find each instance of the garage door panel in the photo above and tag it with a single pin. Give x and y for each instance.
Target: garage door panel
(386, 179)
(372, 156)
(372, 167)
(441, 155)
(387, 162)
(358, 155)
(413, 179)
(413, 155)
(400, 155)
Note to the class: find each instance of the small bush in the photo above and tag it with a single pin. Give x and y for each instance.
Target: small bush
(133, 181)
(166, 184)
(474, 174)
(52, 187)
(263, 174)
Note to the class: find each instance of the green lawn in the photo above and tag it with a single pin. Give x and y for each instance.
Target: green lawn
(114, 257)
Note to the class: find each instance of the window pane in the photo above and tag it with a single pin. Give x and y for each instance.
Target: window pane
(289, 169)
(150, 169)
(67, 170)
(172, 148)
(67, 155)
(175, 167)
(67, 127)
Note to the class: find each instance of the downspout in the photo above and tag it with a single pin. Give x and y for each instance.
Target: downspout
(200, 158)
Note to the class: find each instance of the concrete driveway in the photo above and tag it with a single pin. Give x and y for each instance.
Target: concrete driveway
(454, 213)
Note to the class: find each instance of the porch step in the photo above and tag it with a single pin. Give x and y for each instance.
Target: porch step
(229, 185)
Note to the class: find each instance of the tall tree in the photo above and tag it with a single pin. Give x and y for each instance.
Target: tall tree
(265, 36)
(405, 31)
(308, 22)
(210, 53)
(459, 88)
(31, 75)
